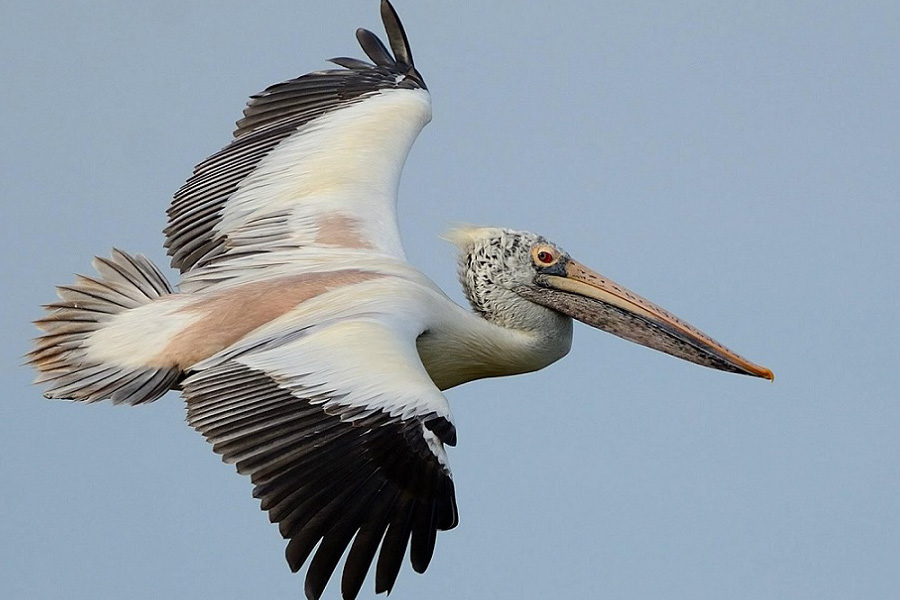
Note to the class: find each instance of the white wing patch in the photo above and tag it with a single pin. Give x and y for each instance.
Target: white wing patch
(361, 363)
(333, 182)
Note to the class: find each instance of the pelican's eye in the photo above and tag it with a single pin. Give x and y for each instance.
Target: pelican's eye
(544, 256)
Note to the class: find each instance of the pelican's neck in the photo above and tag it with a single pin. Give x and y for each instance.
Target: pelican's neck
(468, 346)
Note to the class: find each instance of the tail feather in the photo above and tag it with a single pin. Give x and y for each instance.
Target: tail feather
(124, 282)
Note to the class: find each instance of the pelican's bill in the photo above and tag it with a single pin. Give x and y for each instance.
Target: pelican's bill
(602, 303)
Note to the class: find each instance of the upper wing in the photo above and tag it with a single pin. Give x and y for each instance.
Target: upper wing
(342, 431)
(315, 162)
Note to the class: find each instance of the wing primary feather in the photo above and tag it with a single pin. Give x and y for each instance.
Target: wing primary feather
(338, 538)
(374, 48)
(350, 63)
(449, 514)
(393, 547)
(317, 524)
(365, 545)
(424, 535)
(396, 35)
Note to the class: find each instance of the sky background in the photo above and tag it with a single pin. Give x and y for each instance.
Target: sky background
(737, 163)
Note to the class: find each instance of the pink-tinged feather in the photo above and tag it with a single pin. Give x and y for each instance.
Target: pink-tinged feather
(230, 315)
(340, 230)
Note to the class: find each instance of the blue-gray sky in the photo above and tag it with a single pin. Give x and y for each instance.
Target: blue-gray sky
(735, 162)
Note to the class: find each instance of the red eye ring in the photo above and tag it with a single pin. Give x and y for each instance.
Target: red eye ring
(545, 257)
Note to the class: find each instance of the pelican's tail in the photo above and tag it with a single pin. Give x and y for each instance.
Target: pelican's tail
(81, 357)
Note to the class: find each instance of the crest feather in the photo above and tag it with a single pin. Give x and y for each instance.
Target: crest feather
(466, 236)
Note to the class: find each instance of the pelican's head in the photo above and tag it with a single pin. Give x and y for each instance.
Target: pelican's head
(500, 267)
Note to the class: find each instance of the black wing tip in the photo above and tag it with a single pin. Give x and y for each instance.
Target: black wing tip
(396, 34)
(397, 60)
(376, 50)
(350, 63)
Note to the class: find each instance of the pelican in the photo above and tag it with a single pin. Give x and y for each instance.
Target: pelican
(309, 352)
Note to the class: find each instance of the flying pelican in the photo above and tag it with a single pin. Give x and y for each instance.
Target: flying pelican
(309, 352)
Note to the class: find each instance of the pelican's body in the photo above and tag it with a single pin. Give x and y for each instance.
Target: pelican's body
(309, 352)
